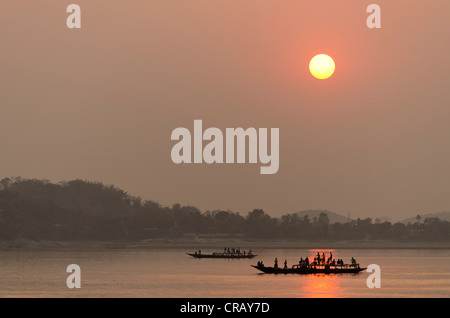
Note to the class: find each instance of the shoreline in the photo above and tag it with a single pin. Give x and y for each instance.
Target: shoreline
(214, 244)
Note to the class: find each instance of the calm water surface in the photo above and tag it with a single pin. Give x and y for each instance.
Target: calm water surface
(169, 273)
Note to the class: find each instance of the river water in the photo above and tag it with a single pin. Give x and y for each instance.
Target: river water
(170, 273)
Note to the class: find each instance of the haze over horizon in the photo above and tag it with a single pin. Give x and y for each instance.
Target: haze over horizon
(100, 103)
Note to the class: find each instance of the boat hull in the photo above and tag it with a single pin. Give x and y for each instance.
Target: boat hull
(239, 256)
(309, 270)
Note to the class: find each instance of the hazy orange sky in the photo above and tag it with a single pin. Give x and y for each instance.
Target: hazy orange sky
(100, 103)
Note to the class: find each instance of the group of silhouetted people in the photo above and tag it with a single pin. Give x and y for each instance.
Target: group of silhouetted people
(275, 265)
(330, 261)
(318, 260)
(227, 250)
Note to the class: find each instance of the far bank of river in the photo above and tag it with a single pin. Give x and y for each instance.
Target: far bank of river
(217, 244)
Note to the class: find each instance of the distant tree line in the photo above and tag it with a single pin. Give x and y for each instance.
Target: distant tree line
(82, 210)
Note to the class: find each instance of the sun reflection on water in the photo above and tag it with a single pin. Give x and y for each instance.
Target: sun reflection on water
(321, 285)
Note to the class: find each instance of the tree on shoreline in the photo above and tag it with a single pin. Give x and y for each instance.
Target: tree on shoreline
(83, 210)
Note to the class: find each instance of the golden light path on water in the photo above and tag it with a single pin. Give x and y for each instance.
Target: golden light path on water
(321, 285)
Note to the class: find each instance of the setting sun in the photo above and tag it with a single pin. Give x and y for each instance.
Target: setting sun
(322, 66)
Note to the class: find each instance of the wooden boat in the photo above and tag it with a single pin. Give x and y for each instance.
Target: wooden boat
(311, 269)
(222, 255)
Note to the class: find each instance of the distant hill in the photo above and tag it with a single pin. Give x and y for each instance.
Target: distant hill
(443, 216)
(332, 216)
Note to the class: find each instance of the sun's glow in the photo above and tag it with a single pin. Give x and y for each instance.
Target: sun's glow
(322, 66)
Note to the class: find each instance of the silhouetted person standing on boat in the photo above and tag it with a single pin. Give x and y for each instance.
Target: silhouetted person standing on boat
(285, 264)
(276, 263)
(330, 259)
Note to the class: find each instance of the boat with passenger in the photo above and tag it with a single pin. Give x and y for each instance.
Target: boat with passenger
(318, 266)
(227, 253)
